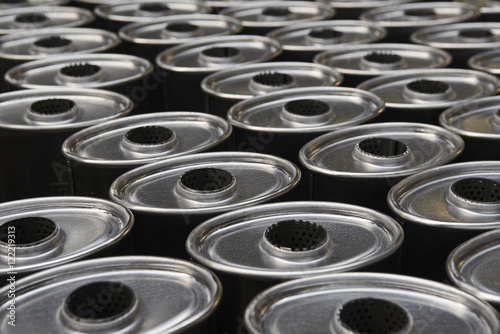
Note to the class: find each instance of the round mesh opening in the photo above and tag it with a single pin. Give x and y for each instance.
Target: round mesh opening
(221, 52)
(149, 135)
(280, 11)
(325, 33)
(476, 33)
(52, 106)
(382, 147)
(296, 235)
(370, 315)
(52, 42)
(207, 179)
(154, 7)
(273, 79)
(181, 27)
(307, 107)
(31, 18)
(382, 57)
(419, 12)
(424, 86)
(28, 230)
(477, 190)
(80, 70)
(100, 301)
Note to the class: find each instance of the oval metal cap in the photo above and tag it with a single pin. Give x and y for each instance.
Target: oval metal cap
(463, 196)
(486, 6)
(119, 293)
(306, 110)
(210, 54)
(294, 239)
(473, 267)
(146, 138)
(431, 88)
(380, 150)
(486, 61)
(353, 302)
(230, 180)
(8, 4)
(79, 70)
(60, 109)
(50, 231)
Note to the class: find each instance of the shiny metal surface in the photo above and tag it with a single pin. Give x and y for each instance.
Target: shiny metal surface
(364, 4)
(30, 3)
(486, 61)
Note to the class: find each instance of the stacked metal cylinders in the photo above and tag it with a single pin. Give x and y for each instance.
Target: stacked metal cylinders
(352, 9)
(129, 294)
(442, 207)
(301, 42)
(255, 248)
(45, 232)
(359, 165)
(421, 95)
(170, 198)
(33, 126)
(98, 155)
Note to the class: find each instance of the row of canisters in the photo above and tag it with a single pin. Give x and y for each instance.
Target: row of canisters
(231, 166)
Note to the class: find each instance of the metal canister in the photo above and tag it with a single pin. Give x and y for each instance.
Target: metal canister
(128, 75)
(301, 42)
(478, 123)
(149, 39)
(358, 63)
(473, 267)
(169, 198)
(352, 9)
(99, 154)
(368, 303)
(226, 87)
(255, 248)
(462, 40)
(487, 61)
(260, 17)
(421, 95)
(187, 64)
(114, 15)
(490, 9)
(44, 232)
(36, 17)
(403, 20)
(359, 165)
(129, 294)
(442, 207)
(30, 3)
(33, 126)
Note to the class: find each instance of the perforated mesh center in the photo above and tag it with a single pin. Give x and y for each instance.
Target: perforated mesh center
(79, 70)
(52, 106)
(419, 12)
(52, 42)
(207, 179)
(424, 86)
(149, 135)
(28, 231)
(382, 147)
(154, 7)
(370, 315)
(100, 301)
(273, 79)
(221, 52)
(296, 235)
(325, 33)
(31, 18)
(476, 33)
(382, 57)
(477, 190)
(307, 107)
(278, 11)
(181, 27)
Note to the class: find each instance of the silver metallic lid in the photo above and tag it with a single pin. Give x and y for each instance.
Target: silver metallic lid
(205, 183)
(246, 81)
(60, 109)
(210, 54)
(50, 231)
(29, 3)
(486, 6)
(381, 150)
(179, 29)
(294, 239)
(431, 88)
(473, 266)
(380, 58)
(362, 302)
(457, 196)
(306, 110)
(460, 36)
(262, 14)
(421, 14)
(318, 36)
(365, 4)
(36, 17)
(145, 138)
(479, 118)
(129, 294)
(145, 10)
(486, 61)
(79, 70)
(47, 42)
